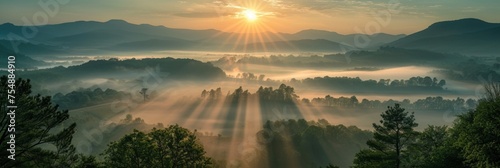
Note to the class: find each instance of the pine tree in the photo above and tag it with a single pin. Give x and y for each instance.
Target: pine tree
(37, 123)
(391, 138)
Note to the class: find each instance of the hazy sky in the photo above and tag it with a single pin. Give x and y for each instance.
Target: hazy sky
(343, 16)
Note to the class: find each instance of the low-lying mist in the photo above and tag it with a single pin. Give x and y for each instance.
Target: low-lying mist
(230, 109)
(230, 120)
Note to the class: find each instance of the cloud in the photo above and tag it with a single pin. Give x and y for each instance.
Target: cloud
(198, 14)
(232, 8)
(320, 5)
(471, 9)
(285, 8)
(435, 6)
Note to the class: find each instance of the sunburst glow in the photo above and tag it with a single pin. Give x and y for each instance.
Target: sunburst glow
(253, 28)
(250, 15)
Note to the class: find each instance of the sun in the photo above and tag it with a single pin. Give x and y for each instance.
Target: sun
(252, 28)
(250, 15)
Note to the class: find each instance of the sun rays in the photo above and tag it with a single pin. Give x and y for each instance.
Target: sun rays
(237, 117)
(252, 29)
(250, 15)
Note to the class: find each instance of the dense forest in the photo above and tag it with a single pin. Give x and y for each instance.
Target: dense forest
(286, 95)
(429, 103)
(167, 68)
(412, 84)
(470, 142)
(384, 56)
(250, 84)
(450, 65)
(87, 97)
(350, 84)
(472, 70)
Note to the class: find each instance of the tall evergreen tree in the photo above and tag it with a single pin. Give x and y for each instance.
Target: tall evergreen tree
(391, 138)
(38, 125)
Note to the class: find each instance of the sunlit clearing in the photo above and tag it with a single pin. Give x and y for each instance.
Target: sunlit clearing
(250, 15)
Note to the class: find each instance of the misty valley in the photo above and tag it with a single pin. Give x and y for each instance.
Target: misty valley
(117, 94)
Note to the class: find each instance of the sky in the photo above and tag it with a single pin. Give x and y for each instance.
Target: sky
(287, 16)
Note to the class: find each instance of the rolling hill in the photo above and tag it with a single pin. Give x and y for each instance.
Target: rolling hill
(91, 37)
(376, 39)
(467, 36)
(22, 61)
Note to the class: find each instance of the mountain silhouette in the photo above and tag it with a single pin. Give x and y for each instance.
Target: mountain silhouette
(21, 60)
(92, 37)
(376, 39)
(468, 36)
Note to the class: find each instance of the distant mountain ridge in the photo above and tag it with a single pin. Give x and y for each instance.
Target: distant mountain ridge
(375, 39)
(468, 36)
(88, 37)
(21, 60)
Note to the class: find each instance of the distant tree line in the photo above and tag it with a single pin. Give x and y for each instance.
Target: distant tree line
(348, 83)
(212, 94)
(270, 97)
(393, 56)
(429, 103)
(413, 84)
(251, 76)
(282, 94)
(384, 56)
(277, 60)
(164, 68)
(472, 70)
(88, 97)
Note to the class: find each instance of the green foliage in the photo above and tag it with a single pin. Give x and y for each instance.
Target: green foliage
(370, 158)
(391, 138)
(477, 132)
(331, 166)
(434, 148)
(87, 162)
(42, 138)
(472, 141)
(292, 143)
(170, 147)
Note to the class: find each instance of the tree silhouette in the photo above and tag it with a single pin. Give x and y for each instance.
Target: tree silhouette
(170, 147)
(37, 123)
(144, 94)
(391, 138)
